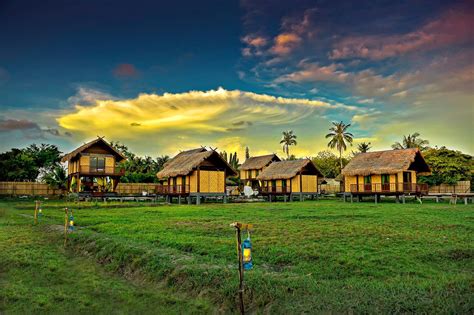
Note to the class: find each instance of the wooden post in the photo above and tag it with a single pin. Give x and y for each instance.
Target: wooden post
(66, 220)
(36, 211)
(238, 227)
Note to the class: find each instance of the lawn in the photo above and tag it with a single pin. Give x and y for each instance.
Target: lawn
(311, 256)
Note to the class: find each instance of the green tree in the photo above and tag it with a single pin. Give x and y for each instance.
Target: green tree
(340, 137)
(247, 153)
(288, 139)
(447, 166)
(25, 164)
(364, 147)
(139, 169)
(232, 159)
(44, 155)
(161, 161)
(328, 163)
(55, 176)
(412, 141)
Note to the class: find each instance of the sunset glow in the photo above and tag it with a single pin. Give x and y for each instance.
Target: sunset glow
(254, 70)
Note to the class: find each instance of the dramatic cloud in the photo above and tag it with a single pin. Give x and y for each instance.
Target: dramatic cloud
(125, 70)
(28, 128)
(210, 111)
(294, 31)
(86, 95)
(451, 28)
(14, 124)
(195, 117)
(365, 82)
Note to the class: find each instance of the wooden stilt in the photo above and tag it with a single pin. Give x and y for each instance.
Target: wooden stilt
(36, 212)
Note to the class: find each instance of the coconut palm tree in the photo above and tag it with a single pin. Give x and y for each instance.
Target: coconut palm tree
(411, 141)
(340, 137)
(288, 139)
(364, 147)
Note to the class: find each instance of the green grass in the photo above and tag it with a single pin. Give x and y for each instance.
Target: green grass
(38, 276)
(309, 257)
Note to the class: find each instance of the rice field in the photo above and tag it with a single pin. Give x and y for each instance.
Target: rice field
(312, 256)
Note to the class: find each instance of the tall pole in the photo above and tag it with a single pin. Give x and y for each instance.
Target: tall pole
(36, 212)
(241, 272)
(65, 225)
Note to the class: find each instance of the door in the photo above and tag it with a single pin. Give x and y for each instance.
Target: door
(407, 181)
(368, 183)
(274, 185)
(283, 185)
(385, 182)
(173, 185)
(183, 183)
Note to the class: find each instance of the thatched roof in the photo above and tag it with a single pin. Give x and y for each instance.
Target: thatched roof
(288, 169)
(99, 141)
(258, 162)
(386, 162)
(187, 161)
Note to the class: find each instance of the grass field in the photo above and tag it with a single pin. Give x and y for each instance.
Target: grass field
(311, 256)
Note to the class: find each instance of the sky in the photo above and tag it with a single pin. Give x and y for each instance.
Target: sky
(164, 76)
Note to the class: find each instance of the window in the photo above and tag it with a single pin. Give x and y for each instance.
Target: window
(256, 173)
(385, 178)
(367, 180)
(97, 164)
(406, 177)
(283, 183)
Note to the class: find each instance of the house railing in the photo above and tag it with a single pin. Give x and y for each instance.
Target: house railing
(389, 188)
(107, 170)
(275, 189)
(172, 189)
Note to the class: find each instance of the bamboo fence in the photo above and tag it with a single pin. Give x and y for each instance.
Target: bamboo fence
(42, 189)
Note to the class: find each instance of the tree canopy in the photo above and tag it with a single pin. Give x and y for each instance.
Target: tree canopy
(447, 166)
(328, 163)
(139, 169)
(340, 137)
(25, 164)
(412, 141)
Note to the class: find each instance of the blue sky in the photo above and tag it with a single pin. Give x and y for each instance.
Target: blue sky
(161, 77)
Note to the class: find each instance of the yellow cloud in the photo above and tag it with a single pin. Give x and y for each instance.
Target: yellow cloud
(197, 111)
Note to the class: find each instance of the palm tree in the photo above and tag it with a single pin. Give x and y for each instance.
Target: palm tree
(364, 147)
(339, 138)
(288, 138)
(55, 176)
(411, 141)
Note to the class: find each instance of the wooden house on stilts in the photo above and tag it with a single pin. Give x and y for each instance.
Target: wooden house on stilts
(253, 166)
(94, 168)
(195, 174)
(290, 178)
(392, 172)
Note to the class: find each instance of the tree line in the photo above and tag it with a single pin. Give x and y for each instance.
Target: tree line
(42, 162)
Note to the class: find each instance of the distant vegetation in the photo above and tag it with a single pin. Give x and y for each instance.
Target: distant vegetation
(412, 141)
(27, 164)
(140, 169)
(42, 162)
